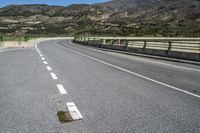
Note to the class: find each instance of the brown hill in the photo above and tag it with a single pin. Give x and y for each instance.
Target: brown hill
(117, 17)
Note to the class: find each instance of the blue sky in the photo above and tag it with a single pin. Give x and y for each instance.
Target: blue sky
(49, 2)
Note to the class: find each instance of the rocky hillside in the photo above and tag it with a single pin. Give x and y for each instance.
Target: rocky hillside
(117, 17)
(123, 5)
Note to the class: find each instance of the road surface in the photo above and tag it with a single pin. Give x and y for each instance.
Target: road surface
(114, 93)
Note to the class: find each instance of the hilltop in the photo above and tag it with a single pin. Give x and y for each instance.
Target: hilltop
(117, 17)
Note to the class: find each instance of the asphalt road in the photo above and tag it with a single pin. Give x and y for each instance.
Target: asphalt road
(114, 93)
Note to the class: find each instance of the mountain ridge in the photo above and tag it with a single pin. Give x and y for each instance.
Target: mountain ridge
(116, 17)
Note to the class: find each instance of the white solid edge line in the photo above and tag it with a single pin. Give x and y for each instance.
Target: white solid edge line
(161, 63)
(133, 73)
(36, 47)
(75, 113)
(186, 68)
(53, 75)
(49, 68)
(166, 64)
(45, 62)
(61, 89)
(12, 49)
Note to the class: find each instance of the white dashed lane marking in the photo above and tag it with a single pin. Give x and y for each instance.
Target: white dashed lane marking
(45, 62)
(75, 113)
(53, 75)
(61, 89)
(49, 68)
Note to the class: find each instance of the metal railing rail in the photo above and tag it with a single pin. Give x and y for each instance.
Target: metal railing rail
(191, 45)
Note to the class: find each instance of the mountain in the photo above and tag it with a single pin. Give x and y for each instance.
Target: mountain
(116, 17)
(123, 5)
(162, 17)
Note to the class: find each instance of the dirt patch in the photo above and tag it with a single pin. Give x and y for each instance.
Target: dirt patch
(64, 117)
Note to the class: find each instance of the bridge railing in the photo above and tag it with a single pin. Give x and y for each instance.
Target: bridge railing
(190, 45)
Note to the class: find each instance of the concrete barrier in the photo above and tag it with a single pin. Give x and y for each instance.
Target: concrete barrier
(29, 43)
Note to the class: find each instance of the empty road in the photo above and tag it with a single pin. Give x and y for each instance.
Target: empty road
(109, 92)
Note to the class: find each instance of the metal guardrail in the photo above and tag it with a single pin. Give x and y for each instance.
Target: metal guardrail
(190, 45)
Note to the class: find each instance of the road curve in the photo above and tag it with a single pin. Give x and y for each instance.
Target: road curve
(112, 92)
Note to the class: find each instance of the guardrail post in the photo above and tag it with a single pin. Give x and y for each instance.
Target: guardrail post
(84, 40)
(126, 45)
(94, 40)
(145, 44)
(119, 42)
(88, 40)
(113, 41)
(107, 41)
(1, 38)
(199, 48)
(75, 38)
(79, 39)
(103, 41)
(170, 46)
